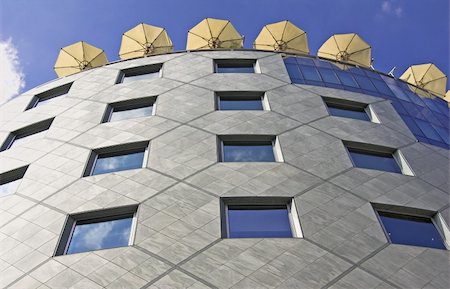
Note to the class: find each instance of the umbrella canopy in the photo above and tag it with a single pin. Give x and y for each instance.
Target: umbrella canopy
(426, 76)
(214, 33)
(348, 48)
(447, 96)
(282, 36)
(144, 40)
(78, 57)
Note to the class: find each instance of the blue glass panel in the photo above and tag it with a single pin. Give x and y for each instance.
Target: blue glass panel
(348, 113)
(412, 125)
(225, 68)
(128, 161)
(365, 83)
(444, 133)
(240, 104)
(310, 73)
(428, 130)
(356, 70)
(293, 71)
(382, 87)
(248, 152)
(346, 78)
(329, 76)
(408, 230)
(372, 74)
(131, 113)
(100, 235)
(258, 222)
(290, 60)
(375, 161)
(324, 64)
(306, 61)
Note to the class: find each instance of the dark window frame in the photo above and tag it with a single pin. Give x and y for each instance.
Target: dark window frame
(129, 104)
(91, 217)
(26, 131)
(140, 70)
(235, 62)
(116, 150)
(13, 175)
(266, 202)
(241, 95)
(49, 94)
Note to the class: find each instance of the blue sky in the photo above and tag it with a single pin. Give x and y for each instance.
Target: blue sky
(401, 32)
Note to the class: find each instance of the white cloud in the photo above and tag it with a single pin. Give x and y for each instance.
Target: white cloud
(390, 8)
(12, 79)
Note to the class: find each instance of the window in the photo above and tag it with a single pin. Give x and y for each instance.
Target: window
(410, 226)
(27, 134)
(128, 109)
(348, 109)
(98, 230)
(250, 149)
(259, 217)
(235, 65)
(378, 158)
(118, 158)
(10, 181)
(46, 97)
(240, 100)
(140, 73)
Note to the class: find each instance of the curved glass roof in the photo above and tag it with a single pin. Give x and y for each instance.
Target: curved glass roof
(427, 116)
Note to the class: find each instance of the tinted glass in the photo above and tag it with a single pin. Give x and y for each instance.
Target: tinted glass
(355, 113)
(375, 161)
(19, 140)
(43, 101)
(131, 113)
(135, 77)
(258, 222)
(9, 188)
(248, 152)
(413, 231)
(240, 104)
(235, 68)
(108, 164)
(100, 235)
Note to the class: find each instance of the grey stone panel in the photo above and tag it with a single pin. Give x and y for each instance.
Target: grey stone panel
(238, 82)
(188, 67)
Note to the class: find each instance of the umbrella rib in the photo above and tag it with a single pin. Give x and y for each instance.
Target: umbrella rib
(335, 41)
(145, 34)
(284, 29)
(209, 28)
(351, 40)
(295, 37)
(198, 36)
(71, 55)
(222, 29)
(135, 41)
(270, 32)
(96, 56)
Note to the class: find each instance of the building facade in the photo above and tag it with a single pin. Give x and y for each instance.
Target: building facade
(224, 169)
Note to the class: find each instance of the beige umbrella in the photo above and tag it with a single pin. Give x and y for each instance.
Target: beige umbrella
(447, 96)
(282, 36)
(426, 76)
(78, 57)
(213, 33)
(144, 40)
(347, 48)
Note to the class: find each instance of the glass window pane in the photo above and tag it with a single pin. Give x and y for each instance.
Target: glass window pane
(9, 187)
(329, 76)
(235, 68)
(143, 76)
(375, 161)
(346, 78)
(258, 222)
(310, 73)
(100, 235)
(46, 100)
(117, 115)
(293, 71)
(248, 152)
(20, 140)
(240, 104)
(355, 113)
(408, 230)
(365, 83)
(106, 164)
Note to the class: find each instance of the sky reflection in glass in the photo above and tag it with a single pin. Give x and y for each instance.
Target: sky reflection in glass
(374, 161)
(413, 231)
(258, 222)
(89, 236)
(240, 104)
(230, 68)
(118, 114)
(127, 161)
(248, 152)
(9, 188)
